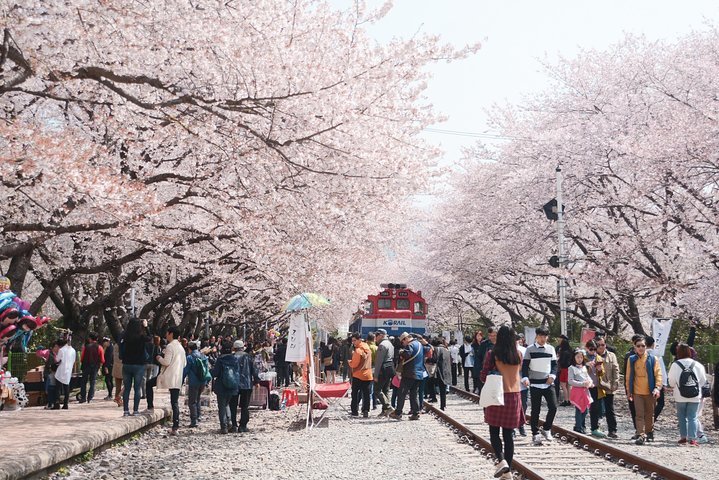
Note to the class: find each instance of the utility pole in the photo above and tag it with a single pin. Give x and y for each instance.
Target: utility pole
(132, 301)
(562, 254)
(207, 326)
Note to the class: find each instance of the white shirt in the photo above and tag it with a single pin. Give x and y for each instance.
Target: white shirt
(521, 349)
(67, 357)
(469, 359)
(454, 353)
(675, 372)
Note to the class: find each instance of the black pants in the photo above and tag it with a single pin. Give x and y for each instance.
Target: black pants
(595, 409)
(633, 411)
(89, 372)
(150, 393)
(506, 453)
(660, 405)
(381, 387)
(360, 388)
(110, 382)
(454, 373)
(245, 396)
(442, 393)
(175, 402)
(467, 373)
(410, 385)
(536, 395)
(431, 391)
(282, 377)
(609, 412)
(65, 392)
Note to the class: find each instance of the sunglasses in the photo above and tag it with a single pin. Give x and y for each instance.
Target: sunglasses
(640, 346)
(592, 349)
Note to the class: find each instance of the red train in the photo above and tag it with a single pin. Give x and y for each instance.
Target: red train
(396, 308)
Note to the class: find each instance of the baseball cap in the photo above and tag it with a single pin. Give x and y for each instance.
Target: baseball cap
(238, 345)
(381, 331)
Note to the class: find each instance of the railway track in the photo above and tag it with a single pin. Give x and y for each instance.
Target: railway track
(571, 456)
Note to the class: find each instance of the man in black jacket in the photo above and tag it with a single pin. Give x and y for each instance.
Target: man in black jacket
(281, 364)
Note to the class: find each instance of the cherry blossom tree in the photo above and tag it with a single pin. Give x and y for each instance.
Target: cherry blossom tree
(219, 156)
(634, 128)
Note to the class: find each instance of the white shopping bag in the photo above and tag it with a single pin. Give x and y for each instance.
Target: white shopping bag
(492, 392)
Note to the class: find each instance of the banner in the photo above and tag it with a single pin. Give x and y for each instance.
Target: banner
(660, 331)
(530, 335)
(446, 335)
(459, 337)
(587, 334)
(297, 338)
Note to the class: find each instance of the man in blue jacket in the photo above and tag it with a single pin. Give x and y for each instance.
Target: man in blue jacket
(412, 368)
(248, 378)
(196, 381)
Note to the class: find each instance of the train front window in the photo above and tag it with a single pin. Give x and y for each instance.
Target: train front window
(402, 304)
(418, 307)
(384, 304)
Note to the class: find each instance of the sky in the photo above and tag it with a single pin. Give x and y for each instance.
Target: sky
(515, 37)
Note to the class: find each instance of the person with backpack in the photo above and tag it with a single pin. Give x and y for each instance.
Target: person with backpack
(643, 380)
(197, 372)
(226, 385)
(686, 376)
(248, 378)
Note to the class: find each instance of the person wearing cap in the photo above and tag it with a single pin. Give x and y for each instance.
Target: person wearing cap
(248, 378)
(412, 368)
(383, 370)
(196, 382)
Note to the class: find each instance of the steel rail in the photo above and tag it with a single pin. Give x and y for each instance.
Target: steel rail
(525, 470)
(608, 452)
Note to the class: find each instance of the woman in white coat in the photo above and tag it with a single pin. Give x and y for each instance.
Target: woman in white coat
(172, 361)
(687, 406)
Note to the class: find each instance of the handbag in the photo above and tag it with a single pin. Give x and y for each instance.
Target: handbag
(327, 361)
(492, 394)
(431, 369)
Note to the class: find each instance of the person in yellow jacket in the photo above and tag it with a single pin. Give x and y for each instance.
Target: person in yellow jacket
(643, 379)
(361, 364)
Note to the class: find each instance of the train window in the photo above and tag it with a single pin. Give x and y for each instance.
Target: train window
(418, 307)
(384, 304)
(402, 304)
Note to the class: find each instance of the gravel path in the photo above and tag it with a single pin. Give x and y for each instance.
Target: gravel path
(276, 448)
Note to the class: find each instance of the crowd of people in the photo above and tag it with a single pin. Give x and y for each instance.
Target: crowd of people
(141, 362)
(586, 378)
(385, 371)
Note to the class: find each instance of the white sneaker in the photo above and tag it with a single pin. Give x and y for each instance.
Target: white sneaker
(502, 468)
(547, 435)
(703, 439)
(538, 438)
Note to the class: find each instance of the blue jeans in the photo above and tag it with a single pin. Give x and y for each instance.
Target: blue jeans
(687, 416)
(193, 401)
(227, 407)
(579, 420)
(132, 374)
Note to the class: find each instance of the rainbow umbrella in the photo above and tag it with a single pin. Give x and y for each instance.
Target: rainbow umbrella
(305, 300)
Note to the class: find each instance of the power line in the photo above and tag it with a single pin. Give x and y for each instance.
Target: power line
(487, 136)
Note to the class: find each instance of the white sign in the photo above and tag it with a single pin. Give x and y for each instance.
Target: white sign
(459, 336)
(530, 335)
(660, 329)
(297, 338)
(446, 335)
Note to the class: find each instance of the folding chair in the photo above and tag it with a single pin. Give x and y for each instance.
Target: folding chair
(332, 394)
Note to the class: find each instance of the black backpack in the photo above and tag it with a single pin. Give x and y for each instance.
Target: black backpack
(688, 382)
(274, 401)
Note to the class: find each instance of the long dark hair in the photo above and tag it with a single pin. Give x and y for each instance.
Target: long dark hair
(505, 350)
(134, 329)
